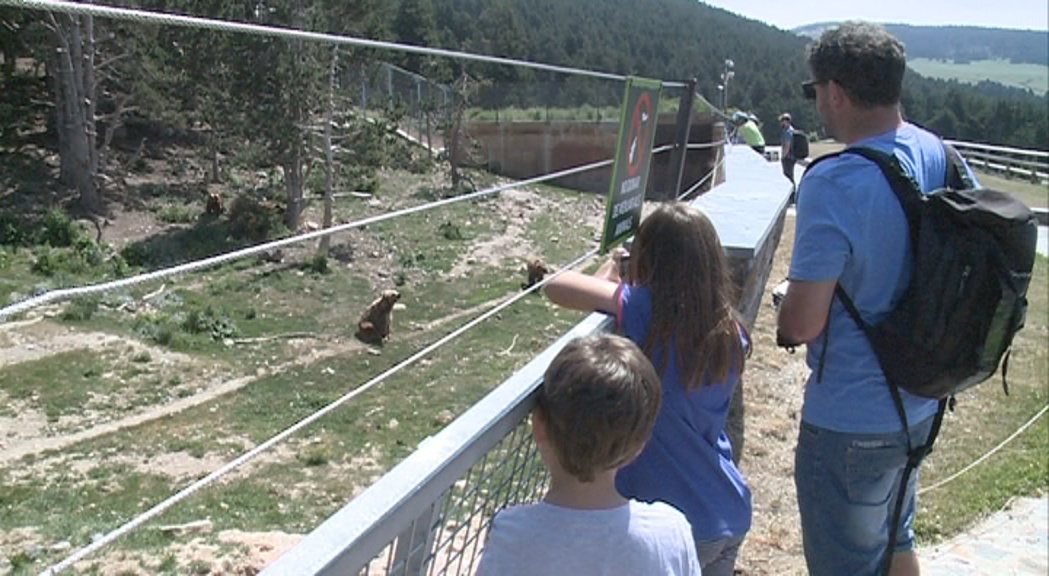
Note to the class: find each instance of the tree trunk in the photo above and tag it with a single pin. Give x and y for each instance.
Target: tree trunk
(293, 181)
(455, 148)
(428, 116)
(329, 154)
(215, 178)
(75, 107)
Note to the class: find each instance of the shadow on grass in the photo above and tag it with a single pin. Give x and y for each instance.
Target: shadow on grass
(177, 245)
(142, 197)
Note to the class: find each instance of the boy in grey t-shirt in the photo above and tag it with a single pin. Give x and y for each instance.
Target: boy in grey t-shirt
(594, 413)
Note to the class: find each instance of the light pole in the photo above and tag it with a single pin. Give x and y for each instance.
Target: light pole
(726, 75)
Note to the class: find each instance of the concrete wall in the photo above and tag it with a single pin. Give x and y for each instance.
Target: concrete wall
(748, 210)
(522, 150)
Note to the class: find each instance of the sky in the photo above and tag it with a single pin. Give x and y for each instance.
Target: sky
(1021, 14)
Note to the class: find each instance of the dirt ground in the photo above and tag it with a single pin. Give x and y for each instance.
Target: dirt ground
(773, 384)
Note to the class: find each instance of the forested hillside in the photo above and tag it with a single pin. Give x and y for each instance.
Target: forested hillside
(963, 44)
(86, 78)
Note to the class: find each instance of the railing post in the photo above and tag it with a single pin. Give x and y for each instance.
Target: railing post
(414, 545)
(684, 126)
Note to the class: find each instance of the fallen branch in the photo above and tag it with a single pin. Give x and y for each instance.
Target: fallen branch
(507, 351)
(154, 294)
(197, 527)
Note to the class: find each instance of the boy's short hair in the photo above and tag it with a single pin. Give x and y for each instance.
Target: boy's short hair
(785, 116)
(599, 398)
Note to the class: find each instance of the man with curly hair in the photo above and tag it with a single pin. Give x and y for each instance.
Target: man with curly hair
(851, 231)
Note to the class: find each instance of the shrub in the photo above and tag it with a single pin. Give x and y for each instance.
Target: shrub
(58, 229)
(83, 257)
(251, 220)
(13, 231)
(318, 264)
(81, 309)
(88, 252)
(207, 321)
(450, 231)
(176, 214)
(136, 254)
(48, 262)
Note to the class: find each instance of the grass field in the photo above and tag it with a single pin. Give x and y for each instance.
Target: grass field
(1034, 195)
(1031, 76)
(108, 405)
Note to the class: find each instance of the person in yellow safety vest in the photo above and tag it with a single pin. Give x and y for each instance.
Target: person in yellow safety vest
(750, 132)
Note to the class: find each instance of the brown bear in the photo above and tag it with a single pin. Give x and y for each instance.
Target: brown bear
(376, 321)
(537, 270)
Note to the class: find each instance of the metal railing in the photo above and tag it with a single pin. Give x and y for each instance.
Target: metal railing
(1033, 164)
(430, 514)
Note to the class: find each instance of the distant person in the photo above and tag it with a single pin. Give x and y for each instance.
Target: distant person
(852, 233)
(674, 301)
(594, 412)
(786, 156)
(748, 129)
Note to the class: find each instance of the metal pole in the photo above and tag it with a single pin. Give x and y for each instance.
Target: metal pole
(684, 127)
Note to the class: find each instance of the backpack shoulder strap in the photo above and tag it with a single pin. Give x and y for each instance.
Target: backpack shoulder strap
(816, 161)
(957, 175)
(903, 185)
(907, 193)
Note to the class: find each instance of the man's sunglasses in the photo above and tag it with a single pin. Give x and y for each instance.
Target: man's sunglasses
(808, 88)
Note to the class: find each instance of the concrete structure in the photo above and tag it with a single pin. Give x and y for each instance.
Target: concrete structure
(523, 150)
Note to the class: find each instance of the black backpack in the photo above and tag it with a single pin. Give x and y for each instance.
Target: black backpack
(974, 251)
(799, 146)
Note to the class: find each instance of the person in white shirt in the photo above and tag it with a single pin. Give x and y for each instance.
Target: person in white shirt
(595, 410)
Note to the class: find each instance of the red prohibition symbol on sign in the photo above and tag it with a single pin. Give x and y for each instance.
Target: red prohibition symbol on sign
(639, 132)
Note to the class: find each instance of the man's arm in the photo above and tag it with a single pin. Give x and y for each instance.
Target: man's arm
(803, 313)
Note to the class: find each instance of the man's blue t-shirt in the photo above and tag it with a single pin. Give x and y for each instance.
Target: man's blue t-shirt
(851, 228)
(688, 461)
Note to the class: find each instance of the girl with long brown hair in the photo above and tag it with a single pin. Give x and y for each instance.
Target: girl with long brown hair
(675, 302)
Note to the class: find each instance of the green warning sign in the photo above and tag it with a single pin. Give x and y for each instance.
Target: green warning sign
(637, 132)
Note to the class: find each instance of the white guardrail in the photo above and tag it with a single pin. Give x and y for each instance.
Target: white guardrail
(1033, 164)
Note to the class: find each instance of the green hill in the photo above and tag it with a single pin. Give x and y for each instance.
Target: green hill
(1034, 77)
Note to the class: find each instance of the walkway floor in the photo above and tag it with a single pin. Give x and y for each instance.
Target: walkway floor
(1013, 542)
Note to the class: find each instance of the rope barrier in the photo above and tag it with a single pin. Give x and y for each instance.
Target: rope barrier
(722, 156)
(1001, 445)
(135, 15)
